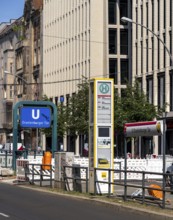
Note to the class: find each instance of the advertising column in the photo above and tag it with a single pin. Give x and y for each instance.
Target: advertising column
(101, 139)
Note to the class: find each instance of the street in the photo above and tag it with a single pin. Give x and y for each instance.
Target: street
(17, 203)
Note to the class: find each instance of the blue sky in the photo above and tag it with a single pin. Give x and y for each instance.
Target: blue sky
(11, 9)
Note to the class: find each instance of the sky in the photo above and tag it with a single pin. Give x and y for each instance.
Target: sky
(11, 9)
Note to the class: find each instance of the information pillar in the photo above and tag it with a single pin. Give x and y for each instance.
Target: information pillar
(101, 132)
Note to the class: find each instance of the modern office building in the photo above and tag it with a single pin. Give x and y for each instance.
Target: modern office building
(152, 61)
(84, 38)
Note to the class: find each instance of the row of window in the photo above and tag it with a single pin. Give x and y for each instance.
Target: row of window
(161, 89)
(157, 10)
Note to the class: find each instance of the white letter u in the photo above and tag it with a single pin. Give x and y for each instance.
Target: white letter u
(38, 114)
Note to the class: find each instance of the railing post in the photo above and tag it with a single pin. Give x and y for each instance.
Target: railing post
(6, 159)
(143, 185)
(32, 173)
(86, 179)
(95, 187)
(125, 169)
(51, 176)
(109, 183)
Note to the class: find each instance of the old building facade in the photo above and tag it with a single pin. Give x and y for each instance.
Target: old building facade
(20, 46)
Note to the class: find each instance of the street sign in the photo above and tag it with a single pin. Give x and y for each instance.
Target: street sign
(35, 117)
(147, 128)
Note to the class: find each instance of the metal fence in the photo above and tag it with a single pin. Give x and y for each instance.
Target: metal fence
(140, 186)
(6, 156)
(79, 183)
(42, 176)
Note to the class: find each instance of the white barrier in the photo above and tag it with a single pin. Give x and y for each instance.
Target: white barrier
(36, 169)
(148, 165)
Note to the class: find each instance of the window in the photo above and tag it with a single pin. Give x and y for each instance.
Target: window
(171, 91)
(161, 90)
(124, 42)
(11, 92)
(141, 57)
(112, 11)
(136, 23)
(158, 18)
(158, 56)
(139, 80)
(123, 9)
(147, 55)
(11, 67)
(112, 41)
(113, 69)
(152, 42)
(141, 20)
(136, 47)
(123, 93)
(164, 12)
(56, 100)
(164, 58)
(124, 71)
(171, 13)
(150, 89)
(152, 2)
(170, 46)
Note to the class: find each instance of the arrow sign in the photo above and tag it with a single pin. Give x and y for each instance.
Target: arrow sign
(35, 117)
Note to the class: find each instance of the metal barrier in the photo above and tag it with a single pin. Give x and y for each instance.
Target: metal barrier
(6, 159)
(126, 184)
(6, 156)
(31, 172)
(77, 180)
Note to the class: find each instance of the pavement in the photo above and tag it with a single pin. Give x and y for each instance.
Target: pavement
(151, 208)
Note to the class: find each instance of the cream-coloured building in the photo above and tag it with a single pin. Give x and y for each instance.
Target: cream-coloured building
(151, 60)
(84, 38)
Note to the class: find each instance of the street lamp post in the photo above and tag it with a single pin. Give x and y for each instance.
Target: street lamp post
(125, 19)
(17, 76)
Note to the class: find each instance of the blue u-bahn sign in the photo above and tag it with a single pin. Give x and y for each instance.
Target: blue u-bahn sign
(35, 117)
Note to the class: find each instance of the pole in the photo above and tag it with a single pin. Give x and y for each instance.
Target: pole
(125, 19)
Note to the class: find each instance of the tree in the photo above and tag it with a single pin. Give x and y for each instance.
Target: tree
(61, 120)
(133, 106)
(77, 110)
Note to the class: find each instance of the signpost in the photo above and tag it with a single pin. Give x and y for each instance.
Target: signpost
(101, 139)
(138, 129)
(146, 128)
(31, 114)
(35, 117)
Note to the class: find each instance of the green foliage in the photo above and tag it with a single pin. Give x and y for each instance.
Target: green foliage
(77, 110)
(133, 106)
(19, 29)
(61, 120)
